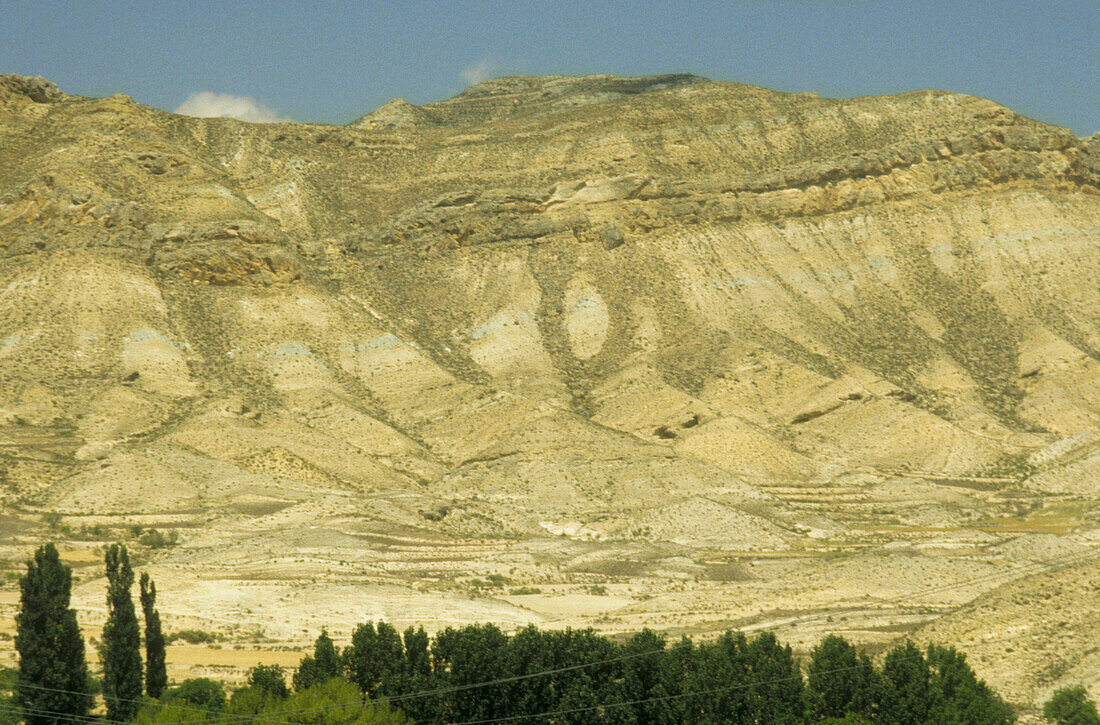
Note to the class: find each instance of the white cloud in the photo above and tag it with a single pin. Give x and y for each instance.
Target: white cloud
(209, 105)
(480, 70)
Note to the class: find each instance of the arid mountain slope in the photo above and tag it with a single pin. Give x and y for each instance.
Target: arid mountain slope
(722, 352)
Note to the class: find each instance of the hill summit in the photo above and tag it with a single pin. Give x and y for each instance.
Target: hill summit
(656, 351)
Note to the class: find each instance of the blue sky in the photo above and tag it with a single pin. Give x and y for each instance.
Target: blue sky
(334, 61)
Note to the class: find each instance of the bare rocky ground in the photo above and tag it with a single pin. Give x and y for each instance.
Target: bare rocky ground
(620, 353)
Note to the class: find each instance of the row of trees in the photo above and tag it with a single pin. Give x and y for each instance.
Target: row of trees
(578, 677)
(53, 684)
(478, 673)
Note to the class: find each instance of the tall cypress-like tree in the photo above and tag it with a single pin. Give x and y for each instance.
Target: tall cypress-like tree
(121, 640)
(52, 684)
(156, 673)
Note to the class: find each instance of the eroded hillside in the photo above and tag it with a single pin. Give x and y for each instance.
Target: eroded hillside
(603, 351)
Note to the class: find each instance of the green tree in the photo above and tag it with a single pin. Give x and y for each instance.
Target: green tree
(1071, 706)
(391, 660)
(266, 687)
(375, 660)
(777, 692)
(324, 665)
(121, 651)
(200, 693)
(418, 662)
(359, 660)
(156, 673)
(270, 679)
(649, 675)
(722, 665)
(9, 713)
(907, 695)
(963, 697)
(335, 702)
(530, 652)
(52, 682)
(840, 681)
(579, 704)
(469, 656)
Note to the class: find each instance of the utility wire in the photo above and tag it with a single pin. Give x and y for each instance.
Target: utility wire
(662, 698)
(1054, 562)
(16, 710)
(275, 717)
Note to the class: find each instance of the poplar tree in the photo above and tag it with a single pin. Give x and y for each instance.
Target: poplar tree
(121, 652)
(156, 674)
(324, 665)
(52, 682)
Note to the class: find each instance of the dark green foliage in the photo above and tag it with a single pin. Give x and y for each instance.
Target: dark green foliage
(962, 697)
(269, 678)
(121, 651)
(471, 655)
(579, 705)
(777, 695)
(51, 649)
(1071, 706)
(647, 676)
(324, 665)
(390, 654)
(720, 664)
(327, 657)
(375, 660)
(201, 693)
(359, 661)
(9, 713)
(156, 675)
(840, 681)
(907, 695)
(477, 673)
(335, 702)
(265, 690)
(418, 662)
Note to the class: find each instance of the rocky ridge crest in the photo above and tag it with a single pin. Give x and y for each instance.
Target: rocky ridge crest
(697, 341)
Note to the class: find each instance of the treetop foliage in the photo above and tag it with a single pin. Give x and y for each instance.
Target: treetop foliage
(121, 650)
(52, 682)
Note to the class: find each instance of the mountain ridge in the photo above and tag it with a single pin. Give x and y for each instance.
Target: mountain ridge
(634, 342)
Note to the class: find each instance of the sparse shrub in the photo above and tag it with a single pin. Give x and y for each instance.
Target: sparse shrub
(195, 636)
(95, 531)
(493, 581)
(154, 539)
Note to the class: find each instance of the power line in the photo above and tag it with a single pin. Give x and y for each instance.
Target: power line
(1063, 560)
(1054, 562)
(16, 710)
(677, 696)
(277, 716)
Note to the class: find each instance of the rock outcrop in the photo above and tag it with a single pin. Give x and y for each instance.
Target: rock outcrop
(727, 351)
